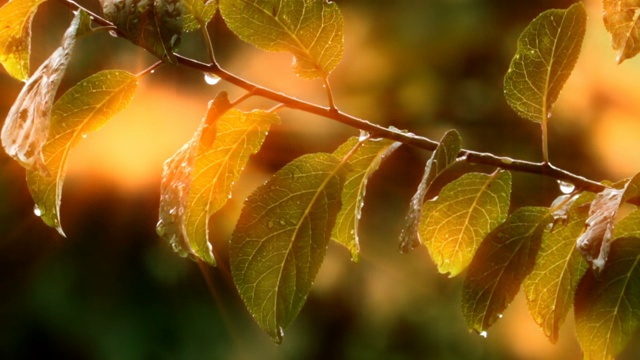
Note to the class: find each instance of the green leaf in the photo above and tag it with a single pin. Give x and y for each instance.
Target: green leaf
(443, 157)
(454, 223)
(547, 52)
(84, 108)
(594, 243)
(621, 20)
(197, 180)
(281, 238)
(16, 17)
(196, 11)
(361, 164)
(505, 257)
(551, 286)
(607, 306)
(312, 30)
(27, 125)
(156, 25)
(629, 226)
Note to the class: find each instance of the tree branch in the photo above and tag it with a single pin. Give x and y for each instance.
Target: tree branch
(473, 157)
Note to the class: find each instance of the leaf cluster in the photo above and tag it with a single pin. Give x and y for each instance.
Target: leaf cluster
(575, 252)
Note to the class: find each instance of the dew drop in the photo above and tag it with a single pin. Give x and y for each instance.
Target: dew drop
(549, 115)
(270, 224)
(84, 136)
(364, 135)
(37, 211)
(279, 335)
(506, 161)
(566, 187)
(499, 316)
(483, 334)
(113, 33)
(211, 79)
(161, 228)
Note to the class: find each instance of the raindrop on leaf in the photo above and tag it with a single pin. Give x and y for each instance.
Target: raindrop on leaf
(364, 135)
(483, 334)
(211, 79)
(113, 33)
(161, 229)
(37, 211)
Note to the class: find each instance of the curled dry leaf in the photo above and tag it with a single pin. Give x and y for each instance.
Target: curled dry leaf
(622, 20)
(27, 125)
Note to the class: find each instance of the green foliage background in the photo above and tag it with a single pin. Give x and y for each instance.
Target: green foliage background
(115, 290)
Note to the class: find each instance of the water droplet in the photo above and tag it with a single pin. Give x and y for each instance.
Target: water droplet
(279, 335)
(499, 316)
(161, 228)
(364, 135)
(84, 136)
(282, 223)
(506, 161)
(211, 79)
(113, 33)
(270, 224)
(483, 334)
(37, 211)
(566, 187)
(549, 115)
(172, 211)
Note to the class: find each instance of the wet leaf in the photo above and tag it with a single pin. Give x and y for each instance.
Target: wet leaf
(443, 157)
(594, 243)
(551, 286)
(361, 164)
(312, 30)
(621, 20)
(196, 11)
(84, 108)
(155, 25)
(16, 17)
(198, 179)
(547, 52)
(607, 306)
(505, 257)
(281, 238)
(27, 125)
(454, 223)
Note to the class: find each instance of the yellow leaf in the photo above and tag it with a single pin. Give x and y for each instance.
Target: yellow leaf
(15, 36)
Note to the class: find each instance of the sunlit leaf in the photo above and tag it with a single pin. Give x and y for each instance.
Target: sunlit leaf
(27, 125)
(505, 257)
(629, 226)
(156, 25)
(196, 11)
(594, 243)
(312, 30)
(547, 52)
(281, 238)
(607, 306)
(443, 157)
(454, 223)
(551, 286)
(82, 109)
(15, 36)
(362, 164)
(621, 18)
(198, 179)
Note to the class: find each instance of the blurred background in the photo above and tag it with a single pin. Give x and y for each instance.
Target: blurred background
(114, 290)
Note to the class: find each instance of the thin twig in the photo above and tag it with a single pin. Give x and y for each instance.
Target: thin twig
(327, 86)
(543, 168)
(150, 69)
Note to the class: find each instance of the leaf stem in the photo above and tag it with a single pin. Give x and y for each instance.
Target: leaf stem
(327, 86)
(473, 157)
(207, 40)
(545, 141)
